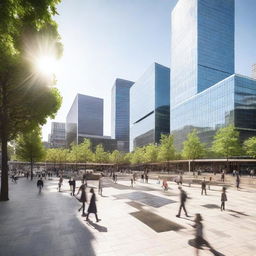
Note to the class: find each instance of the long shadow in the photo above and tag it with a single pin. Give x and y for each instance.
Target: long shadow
(192, 243)
(97, 226)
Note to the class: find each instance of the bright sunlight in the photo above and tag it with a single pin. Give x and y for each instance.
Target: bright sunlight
(47, 65)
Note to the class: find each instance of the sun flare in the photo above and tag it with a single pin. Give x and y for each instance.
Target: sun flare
(47, 65)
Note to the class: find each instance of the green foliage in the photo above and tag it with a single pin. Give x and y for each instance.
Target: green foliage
(226, 142)
(85, 153)
(192, 147)
(151, 152)
(117, 157)
(27, 98)
(138, 156)
(30, 147)
(250, 146)
(166, 150)
(100, 156)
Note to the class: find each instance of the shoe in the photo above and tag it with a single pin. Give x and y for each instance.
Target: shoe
(177, 216)
(84, 215)
(98, 220)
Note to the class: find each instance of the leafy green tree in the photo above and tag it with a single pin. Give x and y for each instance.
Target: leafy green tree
(85, 153)
(226, 142)
(116, 157)
(250, 146)
(30, 148)
(166, 150)
(138, 155)
(151, 152)
(192, 147)
(52, 156)
(27, 98)
(100, 156)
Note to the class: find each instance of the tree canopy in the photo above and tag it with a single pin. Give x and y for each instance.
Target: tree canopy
(226, 142)
(250, 146)
(27, 98)
(30, 147)
(192, 147)
(166, 150)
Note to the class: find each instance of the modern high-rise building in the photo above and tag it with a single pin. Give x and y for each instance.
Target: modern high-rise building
(202, 46)
(150, 106)
(254, 71)
(205, 93)
(85, 117)
(85, 121)
(57, 137)
(120, 113)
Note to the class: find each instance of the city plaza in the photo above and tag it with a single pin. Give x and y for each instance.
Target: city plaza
(139, 220)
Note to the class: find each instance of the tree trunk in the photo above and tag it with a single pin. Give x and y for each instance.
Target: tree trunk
(4, 179)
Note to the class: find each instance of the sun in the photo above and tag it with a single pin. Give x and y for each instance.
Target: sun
(47, 65)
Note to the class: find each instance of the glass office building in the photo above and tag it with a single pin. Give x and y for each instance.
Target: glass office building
(150, 106)
(205, 93)
(85, 117)
(57, 138)
(120, 113)
(231, 101)
(202, 46)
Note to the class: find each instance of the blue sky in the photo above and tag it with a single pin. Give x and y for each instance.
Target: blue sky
(108, 39)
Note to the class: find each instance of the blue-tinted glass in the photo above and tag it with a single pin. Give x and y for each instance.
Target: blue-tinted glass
(149, 106)
(120, 112)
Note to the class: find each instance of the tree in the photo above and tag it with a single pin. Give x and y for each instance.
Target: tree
(138, 155)
(166, 150)
(27, 98)
(85, 153)
(30, 147)
(100, 156)
(226, 142)
(250, 146)
(151, 152)
(192, 147)
(51, 156)
(116, 157)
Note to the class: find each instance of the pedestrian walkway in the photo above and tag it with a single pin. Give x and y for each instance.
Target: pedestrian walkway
(137, 221)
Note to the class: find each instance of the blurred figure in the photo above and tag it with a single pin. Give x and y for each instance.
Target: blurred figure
(183, 198)
(223, 199)
(40, 185)
(83, 198)
(203, 186)
(92, 206)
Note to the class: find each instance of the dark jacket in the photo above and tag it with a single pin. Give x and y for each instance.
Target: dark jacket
(92, 206)
(83, 197)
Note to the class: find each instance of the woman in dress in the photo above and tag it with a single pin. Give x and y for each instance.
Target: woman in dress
(92, 206)
(83, 198)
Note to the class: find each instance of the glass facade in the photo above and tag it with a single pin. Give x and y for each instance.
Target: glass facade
(58, 133)
(120, 112)
(231, 101)
(202, 46)
(150, 106)
(85, 117)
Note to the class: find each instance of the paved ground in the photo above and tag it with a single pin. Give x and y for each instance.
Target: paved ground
(137, 221)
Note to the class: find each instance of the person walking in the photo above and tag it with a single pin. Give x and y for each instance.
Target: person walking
(83, 198)
(203, 186)
(74, 186)
(60, 183)
(237, 182)
(40, 185)
(132, 182)
(92, 206)
(100, 187)
(210, 181)
(199, 239)
(165, 185)
(223, 199)
(183, 198)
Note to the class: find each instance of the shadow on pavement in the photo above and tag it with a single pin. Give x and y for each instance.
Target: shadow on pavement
(192, 243)
(97, 226)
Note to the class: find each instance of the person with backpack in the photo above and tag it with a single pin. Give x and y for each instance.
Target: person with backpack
(183, 198)
(40, 184)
